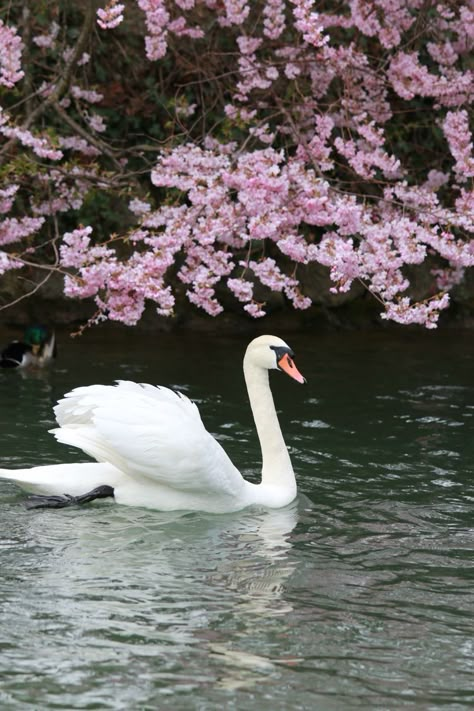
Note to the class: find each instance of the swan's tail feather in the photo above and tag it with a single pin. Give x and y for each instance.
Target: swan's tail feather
(55, 479)
(17, 475)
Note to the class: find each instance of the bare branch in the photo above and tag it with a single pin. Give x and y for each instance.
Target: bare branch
(36, 288)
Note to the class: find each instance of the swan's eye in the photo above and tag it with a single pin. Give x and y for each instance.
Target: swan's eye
(281, 352)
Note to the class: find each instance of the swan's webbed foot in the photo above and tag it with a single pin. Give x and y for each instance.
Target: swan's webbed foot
(39, 501)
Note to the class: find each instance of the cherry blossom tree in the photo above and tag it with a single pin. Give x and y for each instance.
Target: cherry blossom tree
(205, 150)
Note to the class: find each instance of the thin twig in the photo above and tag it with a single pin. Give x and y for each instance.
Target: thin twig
(36, 288)
(97, 143)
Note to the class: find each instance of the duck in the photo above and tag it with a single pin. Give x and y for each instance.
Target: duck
(152, 449)
(36, 350)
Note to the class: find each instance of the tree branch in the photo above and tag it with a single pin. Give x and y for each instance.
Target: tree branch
(63, 82)
(100, 145)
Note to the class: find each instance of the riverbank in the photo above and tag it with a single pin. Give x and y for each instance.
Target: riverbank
(357, 309)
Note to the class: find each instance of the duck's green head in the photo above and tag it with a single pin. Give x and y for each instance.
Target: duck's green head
(36, 335)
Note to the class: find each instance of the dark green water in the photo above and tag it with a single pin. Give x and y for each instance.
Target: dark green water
(358, 596)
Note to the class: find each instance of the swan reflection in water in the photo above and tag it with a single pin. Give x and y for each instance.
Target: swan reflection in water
(258, 570)
(259, 565)
(192, 588)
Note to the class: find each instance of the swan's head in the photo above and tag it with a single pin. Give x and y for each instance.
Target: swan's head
(272, 353)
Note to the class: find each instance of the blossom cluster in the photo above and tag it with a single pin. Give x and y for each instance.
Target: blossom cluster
(339, 135)
(10, 56)
(456, 130)
(110, 16)
(41, 145)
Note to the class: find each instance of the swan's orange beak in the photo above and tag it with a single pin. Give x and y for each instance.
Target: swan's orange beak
(287, 364)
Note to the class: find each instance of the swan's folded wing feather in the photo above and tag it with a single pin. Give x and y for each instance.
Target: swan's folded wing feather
(78, 406)
(175, 453)
(149, 432)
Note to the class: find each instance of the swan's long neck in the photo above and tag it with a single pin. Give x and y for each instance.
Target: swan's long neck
(276, 464)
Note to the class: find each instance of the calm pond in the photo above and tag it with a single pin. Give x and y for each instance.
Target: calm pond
(359, 595)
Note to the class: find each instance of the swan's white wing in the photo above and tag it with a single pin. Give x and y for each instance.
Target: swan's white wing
(147, 431)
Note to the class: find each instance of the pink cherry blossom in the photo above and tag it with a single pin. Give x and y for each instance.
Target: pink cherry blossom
(274, 18)
(74, 143)
(89, 95)
(255, 310)
(111, 15)
(47, 41)
(7, 263)
(41, 145)
(459, 137)
(7, 197)
(139, 207)
(296, 133)
(241, 288)
(236, 12)
(307, 22)
(13, 229)
(11, 48)
(157, 19)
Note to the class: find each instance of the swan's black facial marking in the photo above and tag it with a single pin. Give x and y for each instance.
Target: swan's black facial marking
(285, 363)
(281, 351)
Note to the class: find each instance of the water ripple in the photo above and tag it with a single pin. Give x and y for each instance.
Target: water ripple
(358, 596)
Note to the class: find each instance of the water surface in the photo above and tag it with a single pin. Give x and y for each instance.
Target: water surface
(359, 595)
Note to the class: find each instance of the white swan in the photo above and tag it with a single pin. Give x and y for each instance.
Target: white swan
(153, 450)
